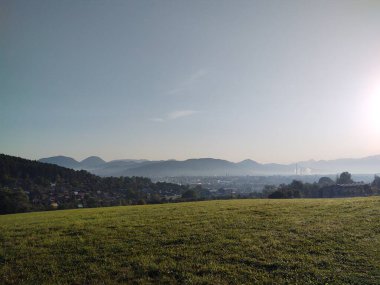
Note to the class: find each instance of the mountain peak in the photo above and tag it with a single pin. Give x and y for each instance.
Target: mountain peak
(248, 163)
(61, 160)
(92, 161)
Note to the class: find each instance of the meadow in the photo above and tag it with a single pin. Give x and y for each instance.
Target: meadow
(296, 241)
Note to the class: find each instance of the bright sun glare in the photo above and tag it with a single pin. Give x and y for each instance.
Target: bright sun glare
(374, 109)
(371, 109)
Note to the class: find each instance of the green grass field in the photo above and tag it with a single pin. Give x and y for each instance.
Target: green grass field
(316, 241)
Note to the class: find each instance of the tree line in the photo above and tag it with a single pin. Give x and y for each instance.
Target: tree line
(343, 186)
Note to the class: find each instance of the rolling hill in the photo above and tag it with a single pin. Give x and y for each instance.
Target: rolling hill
(92, 162)
(215, 167)
(63, 161)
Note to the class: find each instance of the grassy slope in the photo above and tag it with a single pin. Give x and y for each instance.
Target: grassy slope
(331, 241)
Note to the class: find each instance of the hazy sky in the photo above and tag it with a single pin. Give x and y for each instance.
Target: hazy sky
(274, 81)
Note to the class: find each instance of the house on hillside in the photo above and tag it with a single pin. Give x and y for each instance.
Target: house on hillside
(172, 197)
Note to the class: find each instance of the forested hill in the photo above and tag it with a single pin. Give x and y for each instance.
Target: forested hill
(15, 171)
(27, 185)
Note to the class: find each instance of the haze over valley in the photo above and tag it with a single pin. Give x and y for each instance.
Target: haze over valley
(216, 167)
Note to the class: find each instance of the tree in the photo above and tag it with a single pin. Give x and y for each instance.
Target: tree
(344, 178)
(141, 202)
(325, 181)
(189, 194)
(13, 201)
(376, 182)
(277, 195)
(296, 185)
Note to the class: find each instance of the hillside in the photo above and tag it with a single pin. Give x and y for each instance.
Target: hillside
(92, 162)
(190, 167)
(27, 185)
(330, 241)
(63, 161)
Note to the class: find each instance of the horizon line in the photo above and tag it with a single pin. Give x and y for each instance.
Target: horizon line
(194, 158)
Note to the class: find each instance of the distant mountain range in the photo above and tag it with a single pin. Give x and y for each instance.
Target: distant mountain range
(214, 167)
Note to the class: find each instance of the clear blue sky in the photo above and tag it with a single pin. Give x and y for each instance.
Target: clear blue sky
(274, 81)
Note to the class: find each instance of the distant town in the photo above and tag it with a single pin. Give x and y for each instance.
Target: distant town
(27, 185)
